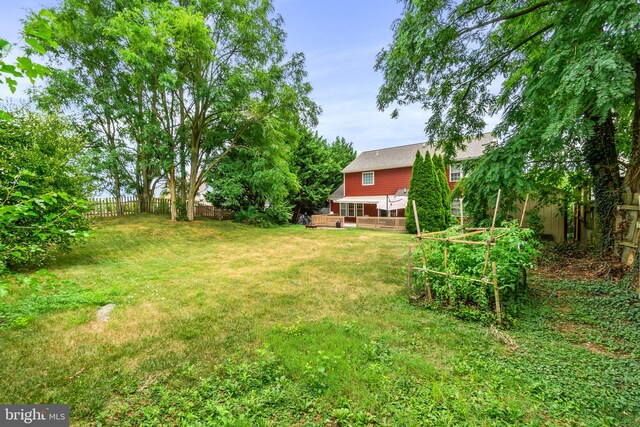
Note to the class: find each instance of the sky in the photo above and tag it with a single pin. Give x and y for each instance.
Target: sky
(340, 40)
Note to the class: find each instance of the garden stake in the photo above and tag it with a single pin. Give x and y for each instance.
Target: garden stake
(496, 292)
(493, 224)
(524, 210)
(446, 255)
(462, 214)
(409, 274)
(427, 285)
(415, 215)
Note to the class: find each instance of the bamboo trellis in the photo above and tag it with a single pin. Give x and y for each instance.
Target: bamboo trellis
(494, 234)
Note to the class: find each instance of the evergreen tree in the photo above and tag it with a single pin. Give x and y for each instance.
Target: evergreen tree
(445, 191)
(424, 188)
(430, 206)
(414, 190)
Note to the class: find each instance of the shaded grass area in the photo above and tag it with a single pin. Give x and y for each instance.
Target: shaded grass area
(223, 324)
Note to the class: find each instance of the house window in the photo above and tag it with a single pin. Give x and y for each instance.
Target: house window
(351, 209)
(390, 213)
(455, 172)
(367, 178)
(455, 207)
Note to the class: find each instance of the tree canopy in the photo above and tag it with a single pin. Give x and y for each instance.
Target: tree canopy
(174, 88)
(563, 76)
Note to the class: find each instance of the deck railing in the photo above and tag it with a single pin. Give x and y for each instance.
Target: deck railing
(326, 220)
(381, 223)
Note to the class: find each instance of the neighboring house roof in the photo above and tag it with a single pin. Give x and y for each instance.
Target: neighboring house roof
(404, 155)
(338, 194)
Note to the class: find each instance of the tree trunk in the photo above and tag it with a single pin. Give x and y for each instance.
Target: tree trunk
(191, 203)
(633, 175)
(602, 157)
(116, 190)
(172, 192)
(145, 199)
(183, 173)
(193, 188)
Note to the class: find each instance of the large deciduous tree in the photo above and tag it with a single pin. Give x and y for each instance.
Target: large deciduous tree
(217, 74)
(563, 75)
(171, 88)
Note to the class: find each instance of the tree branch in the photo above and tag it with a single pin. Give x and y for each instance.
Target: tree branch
(504, 18)
(501, 57)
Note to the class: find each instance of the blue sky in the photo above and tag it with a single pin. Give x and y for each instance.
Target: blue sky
(340, 39)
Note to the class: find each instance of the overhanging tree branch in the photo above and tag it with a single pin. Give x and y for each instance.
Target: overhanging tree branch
(493, 63)
(504, 18)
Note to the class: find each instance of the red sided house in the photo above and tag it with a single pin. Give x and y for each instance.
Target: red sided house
(377, 181)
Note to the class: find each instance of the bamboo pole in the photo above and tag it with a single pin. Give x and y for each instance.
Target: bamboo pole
(409, 273)
(493, 225)
(496, 292)
(471, 279)
(462, 213)
(524, 210)
(446, 257)
(415, 215)
(427, 285)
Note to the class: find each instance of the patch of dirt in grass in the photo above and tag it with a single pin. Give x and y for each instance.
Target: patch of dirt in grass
(578, 333)
(595, 348)
(126, 323)
(568, 328)
(575, 263)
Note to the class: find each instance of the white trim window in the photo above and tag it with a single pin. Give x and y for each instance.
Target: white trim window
(456, 205)
(367, 178)
(351, 210)
(455, 172)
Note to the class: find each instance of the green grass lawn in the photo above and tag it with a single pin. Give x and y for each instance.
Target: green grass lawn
(223, 324)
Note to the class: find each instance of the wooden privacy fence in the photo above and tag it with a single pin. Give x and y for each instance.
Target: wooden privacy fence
(381, 223)
(132, 205)
(628, 228)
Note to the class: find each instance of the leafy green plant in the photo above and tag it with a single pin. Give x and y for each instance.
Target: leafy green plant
(42, 188)
(514, 252)
(535, 222)
(34, 227)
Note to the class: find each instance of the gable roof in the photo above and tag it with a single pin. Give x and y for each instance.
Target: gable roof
(338, 193)
(404, 155)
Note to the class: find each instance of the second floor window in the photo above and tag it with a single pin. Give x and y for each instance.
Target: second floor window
(367, 178)
(455, 173)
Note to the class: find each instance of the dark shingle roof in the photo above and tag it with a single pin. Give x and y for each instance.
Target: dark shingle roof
(338, 194)
(404, 155)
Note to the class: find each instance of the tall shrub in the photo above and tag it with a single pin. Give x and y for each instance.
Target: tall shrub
(445, 191)
(415, 188)
(430, 210)
(42, 188)
(424, 188)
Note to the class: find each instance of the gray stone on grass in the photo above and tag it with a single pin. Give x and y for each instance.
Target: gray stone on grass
(103, 312)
